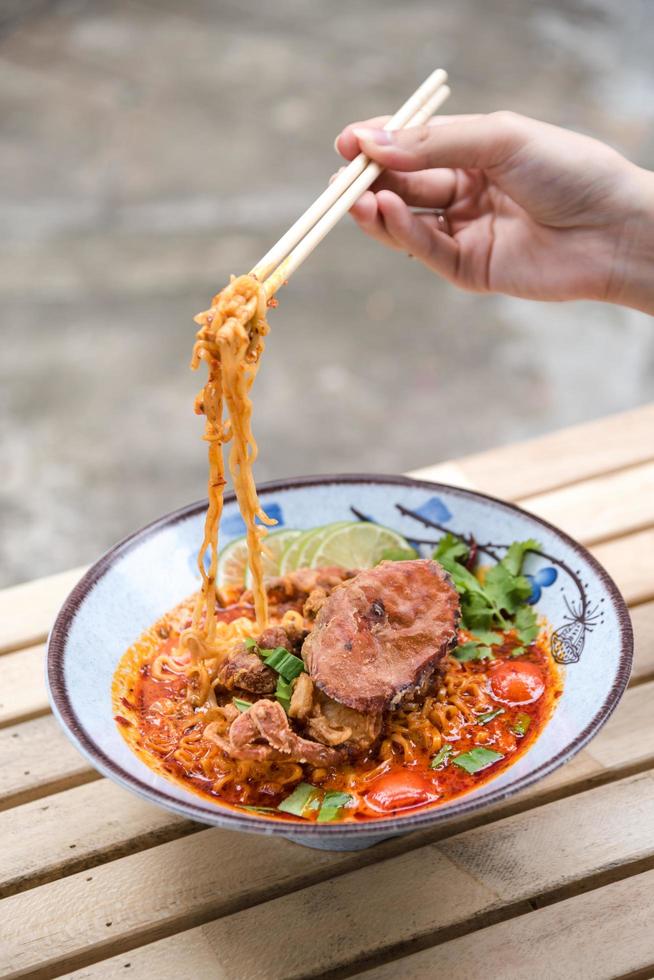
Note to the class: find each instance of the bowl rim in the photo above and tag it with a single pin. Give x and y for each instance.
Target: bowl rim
(230, 819)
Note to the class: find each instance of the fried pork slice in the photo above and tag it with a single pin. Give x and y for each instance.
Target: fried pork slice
(263, 733)
(332, 723)
(382, 634)
(336, 724)
(243, 670)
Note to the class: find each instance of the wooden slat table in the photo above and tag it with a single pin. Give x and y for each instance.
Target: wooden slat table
(557, 882)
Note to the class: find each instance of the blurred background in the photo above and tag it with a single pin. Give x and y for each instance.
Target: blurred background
(149, 148)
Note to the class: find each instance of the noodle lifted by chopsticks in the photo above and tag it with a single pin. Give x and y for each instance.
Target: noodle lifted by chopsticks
(230, 340)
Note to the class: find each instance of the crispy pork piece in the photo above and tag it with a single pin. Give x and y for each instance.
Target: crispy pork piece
(381, 635)
(263, 733)
(242, 669)
(302, 698)
(336, 724)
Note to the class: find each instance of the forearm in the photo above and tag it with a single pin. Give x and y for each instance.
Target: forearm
(631, 277)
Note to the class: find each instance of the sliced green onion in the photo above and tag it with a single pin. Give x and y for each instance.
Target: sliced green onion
(332, 806)
(489, 715)
(441, 756)
(283, 693)
(477, 759)
(521, 725)
(249, 642)
(242, 705)
(285, 663)
(304, 797)
(258, 809)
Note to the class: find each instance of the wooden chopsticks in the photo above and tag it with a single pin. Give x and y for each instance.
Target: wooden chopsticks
(292, 249)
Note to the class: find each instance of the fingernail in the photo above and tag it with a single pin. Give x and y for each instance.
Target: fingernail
(383, 137)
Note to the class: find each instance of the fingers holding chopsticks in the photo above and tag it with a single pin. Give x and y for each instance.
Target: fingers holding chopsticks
(387, 218)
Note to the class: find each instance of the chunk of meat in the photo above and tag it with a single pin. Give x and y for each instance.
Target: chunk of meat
(263, 733)
(332, 723)
(298, 584)
(314, 602)
(301, 698)
(336, 724)
(382, 634)
(287, 636)
(243, 669)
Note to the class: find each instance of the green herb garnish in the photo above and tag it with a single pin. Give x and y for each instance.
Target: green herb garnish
(241, 704)
(515, 556)
(526, 625)
(285, 663)
(489, 715)
(473, 651)
(304, 797)
(488, 637)
(477, 759)
(332, 806)
(499, 602)
(451, 548)
(442, 756)
(250, 643)
(521, 724)
(283, 693)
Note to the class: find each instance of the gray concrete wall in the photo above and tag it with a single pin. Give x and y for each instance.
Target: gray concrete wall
(148, 148)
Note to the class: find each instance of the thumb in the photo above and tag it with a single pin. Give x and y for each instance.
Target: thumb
(469, 142)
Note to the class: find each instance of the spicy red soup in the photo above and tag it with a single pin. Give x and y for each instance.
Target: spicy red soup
(469, 722)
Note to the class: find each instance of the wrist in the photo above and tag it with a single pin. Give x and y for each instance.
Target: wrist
(631, 277)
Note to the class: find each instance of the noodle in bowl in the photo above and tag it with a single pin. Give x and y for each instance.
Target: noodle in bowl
(137, 583)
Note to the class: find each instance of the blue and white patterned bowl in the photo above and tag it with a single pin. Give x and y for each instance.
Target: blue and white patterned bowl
(148, 573)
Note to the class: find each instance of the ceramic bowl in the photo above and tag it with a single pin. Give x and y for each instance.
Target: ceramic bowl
(148, 573)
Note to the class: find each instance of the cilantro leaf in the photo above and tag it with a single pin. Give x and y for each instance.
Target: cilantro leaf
(451, 549)
(515, 556)
(476, 613)
(506, 591)
(473, 651)
(488, 637)
(526, 625)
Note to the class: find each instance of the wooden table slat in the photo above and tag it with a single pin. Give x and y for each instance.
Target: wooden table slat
(491, 871)
(22, 685)
(603, 934)
(601, 508)
(630, 562)
(559, 458)
(36, 758)
(27, 611)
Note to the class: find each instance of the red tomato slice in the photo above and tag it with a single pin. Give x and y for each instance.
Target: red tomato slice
(517, 683)
(399, 790)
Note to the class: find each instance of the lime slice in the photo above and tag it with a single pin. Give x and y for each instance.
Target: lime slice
(275, 544)
(288, 561)
(232, 563)
(358, 545)
(305, 558)
(297, 555)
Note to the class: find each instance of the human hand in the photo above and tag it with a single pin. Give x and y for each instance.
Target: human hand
(528, 209)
